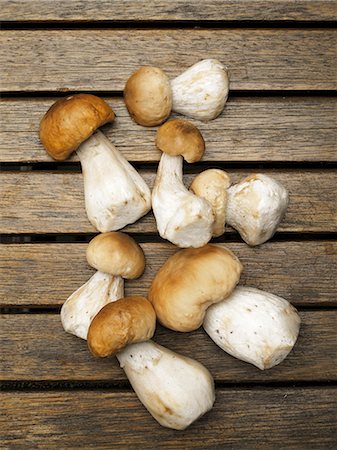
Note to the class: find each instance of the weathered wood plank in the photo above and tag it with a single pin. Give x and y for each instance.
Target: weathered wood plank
(59, 60)
(305, 273)
(249, 129)
(35, 347)
(139, 10)
(45, 202)
(241, 418)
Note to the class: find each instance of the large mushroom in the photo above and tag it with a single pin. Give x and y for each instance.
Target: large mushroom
(115, 256)
(201, 91)
(189, 282)
(182, 217)
(176, 390)
(115, 194)
(254, 326)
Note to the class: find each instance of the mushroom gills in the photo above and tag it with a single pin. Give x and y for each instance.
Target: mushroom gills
(115, 194)
(176, 390)
(254, 326)
(182, 217)
(82, 306)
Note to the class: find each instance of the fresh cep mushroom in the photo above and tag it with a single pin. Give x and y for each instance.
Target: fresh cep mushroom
(148, 96)
(189, 282)
(212, 185)
(120, 323)
(114, 255)
(201, 91)
(182, 217)
(255, 207)
(254, 326)
(176, 390)
(115, 194)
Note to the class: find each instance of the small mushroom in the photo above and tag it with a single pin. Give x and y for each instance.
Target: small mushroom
(125, 321)
(182, 217)
(176, 390)
(201, 91)
(148, 96)
(255, 207)
(212, 185)
(114, 255)
(254, 326)
(189, 282)
(115, 194)
(181, 137)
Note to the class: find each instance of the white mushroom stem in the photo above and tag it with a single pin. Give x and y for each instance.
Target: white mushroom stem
(255, 207)
(115, 194)
(254, 326)
(182, 217)
(83, 305)
(174, 389)
(201, 91)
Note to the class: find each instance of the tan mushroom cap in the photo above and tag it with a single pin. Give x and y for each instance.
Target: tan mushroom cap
(212, 185)
(148, 96)
(190, 281)
(116, 253)
(126, 321)
(181, 137)
(72, 120)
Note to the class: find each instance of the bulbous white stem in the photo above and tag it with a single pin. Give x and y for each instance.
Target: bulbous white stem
(255, 207)
(82, 306)
(254, 326)
(182, 217)
(201, 91)
(115, 194)
(174, 389)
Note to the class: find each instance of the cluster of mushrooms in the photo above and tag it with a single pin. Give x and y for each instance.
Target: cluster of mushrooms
(197, 286)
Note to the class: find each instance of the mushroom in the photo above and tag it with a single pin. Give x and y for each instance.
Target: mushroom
(255, 207)
(189, 282)
(212, 185)
(114, 255)
(148, 96)
(182, 217)
(115, 194)
(254, 326)
(125, 321)
(201, 91)
(176, 390)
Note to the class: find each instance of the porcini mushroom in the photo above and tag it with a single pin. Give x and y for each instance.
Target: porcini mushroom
(176, 390)
(125, 321)
(115, 194)
(116, 256)
(189, 282)
(148, 96)
(212, 185)
(255, 207)
(182, 217)
(201, 91)
(254, 326)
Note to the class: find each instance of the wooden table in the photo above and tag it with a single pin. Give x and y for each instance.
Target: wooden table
(280, 119)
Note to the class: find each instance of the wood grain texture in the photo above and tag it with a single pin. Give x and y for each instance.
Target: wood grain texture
(139, 10)
(35, 347)
(55, 60)
(45, 202)
(305, 273)
(249, 129)
(241, 418)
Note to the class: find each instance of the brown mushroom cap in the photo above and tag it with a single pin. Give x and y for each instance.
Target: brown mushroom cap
(181, 137)
(126, 321)
(190, 281)
(70, 121)
(116, 253)
(148, 96)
